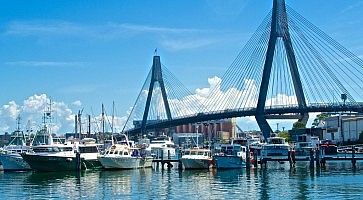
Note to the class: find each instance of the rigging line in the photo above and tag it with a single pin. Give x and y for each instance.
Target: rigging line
(308, 45)
(306, 63)
(178, 82)
(183, 90)
(332, 43)
(285, 78)
(281, 67)
(249, 73)
(171, 96)
(323, 64)
(243, 55)
(251, 64)
(247, 47)
(340, 61)
(237, 77)
(335, 43)
(348, 54)
(138, 97)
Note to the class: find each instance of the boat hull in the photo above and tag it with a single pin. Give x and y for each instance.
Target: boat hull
(229, 162)
(13, 162)
(190, 163)
(125, 162)
(59, 163)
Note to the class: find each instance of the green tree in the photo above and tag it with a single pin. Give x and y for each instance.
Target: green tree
(319, 118)
(298, 125)
(286, 135)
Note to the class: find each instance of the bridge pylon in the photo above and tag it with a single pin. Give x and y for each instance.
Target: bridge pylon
(156, 76)
(279, 30)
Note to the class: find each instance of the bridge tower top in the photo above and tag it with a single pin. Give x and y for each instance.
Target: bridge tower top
(156, 76)
(279, 30)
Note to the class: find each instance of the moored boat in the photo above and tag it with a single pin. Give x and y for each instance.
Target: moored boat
(64, 157)
(124, 156)
(196, 158)
(10, 155)
(162, 147)
(230, 156)
(276, 147)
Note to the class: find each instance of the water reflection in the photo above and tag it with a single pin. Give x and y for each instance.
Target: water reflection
(275, 183)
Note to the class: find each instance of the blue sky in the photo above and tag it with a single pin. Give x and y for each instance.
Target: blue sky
(83, 53)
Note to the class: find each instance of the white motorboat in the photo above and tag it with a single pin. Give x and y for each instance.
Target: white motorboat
(10, 155)
(276, 147)
(124, 156)
(63, 157)
(196, 158)
(162, 147)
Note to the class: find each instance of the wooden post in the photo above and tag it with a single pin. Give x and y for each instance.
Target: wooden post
(289, 158)
(78, 161)
(255, 158)
(248, 159)
(162, 159)
(317, 157)
(311, 158)
(353, 157)
(180, 164)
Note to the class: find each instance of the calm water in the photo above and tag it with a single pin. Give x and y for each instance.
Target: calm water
(337, 181)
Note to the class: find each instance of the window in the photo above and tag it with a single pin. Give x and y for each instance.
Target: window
(91, 149)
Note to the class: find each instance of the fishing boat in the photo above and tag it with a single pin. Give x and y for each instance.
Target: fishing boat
(230, 156)
(10, 157)
(162, 147)
(125, 156)
(72, 156)
(196, 158)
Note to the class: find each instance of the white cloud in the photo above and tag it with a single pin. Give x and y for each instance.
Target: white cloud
(11, 110)
(31, 111)
(77, 103)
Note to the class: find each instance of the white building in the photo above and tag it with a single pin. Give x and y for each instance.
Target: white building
(343, 128)
(352, 127)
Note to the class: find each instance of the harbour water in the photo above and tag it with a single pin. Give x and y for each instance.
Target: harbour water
(336, 181)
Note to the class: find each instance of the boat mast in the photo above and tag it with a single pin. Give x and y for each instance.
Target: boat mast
(80, 123)
(18, 129)
(113, 116)
(103, 120)
(197, 136)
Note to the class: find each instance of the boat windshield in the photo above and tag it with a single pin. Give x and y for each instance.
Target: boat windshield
(90, 149)
(46, 149)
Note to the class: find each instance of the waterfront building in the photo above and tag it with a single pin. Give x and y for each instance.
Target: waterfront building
(343, 128)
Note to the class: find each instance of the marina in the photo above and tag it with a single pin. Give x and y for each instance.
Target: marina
(284, 120)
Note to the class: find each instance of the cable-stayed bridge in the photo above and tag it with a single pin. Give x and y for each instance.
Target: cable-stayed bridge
(288, 69)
